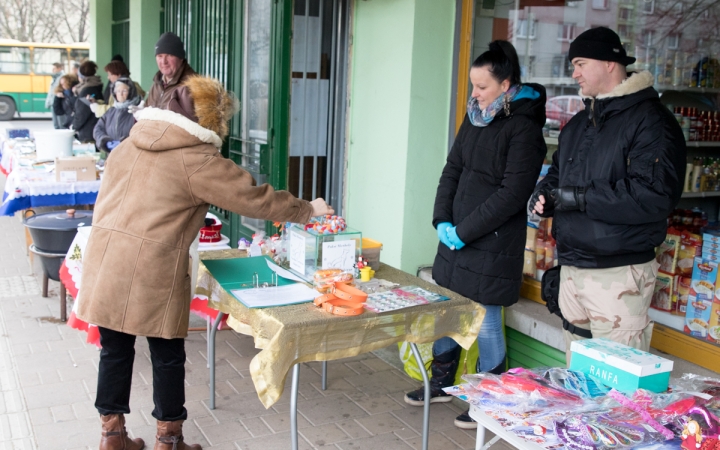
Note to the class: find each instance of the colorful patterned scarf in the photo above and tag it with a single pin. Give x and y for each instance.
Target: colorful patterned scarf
(482, 118)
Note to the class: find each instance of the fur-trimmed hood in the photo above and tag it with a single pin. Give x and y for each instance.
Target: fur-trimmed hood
(164, 134)
(214, 106)
(635, 82)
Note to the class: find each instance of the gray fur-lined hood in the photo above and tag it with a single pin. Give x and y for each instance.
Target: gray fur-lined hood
(636, 88)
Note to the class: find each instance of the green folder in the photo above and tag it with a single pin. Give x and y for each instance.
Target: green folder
(237, 273)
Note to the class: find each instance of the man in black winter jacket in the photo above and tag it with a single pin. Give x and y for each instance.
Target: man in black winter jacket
(615, 178)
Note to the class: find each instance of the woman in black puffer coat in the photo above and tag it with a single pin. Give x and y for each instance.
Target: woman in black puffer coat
(114, 126)
(88, 92)
(480, 208)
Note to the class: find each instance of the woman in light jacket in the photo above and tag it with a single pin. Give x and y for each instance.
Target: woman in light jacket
(156, 190)
(480, 203)
(114, 126)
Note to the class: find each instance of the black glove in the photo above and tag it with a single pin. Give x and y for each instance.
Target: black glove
(548, 206)
(569, 198)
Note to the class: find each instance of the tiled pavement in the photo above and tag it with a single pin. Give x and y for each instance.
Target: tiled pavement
(48, 381)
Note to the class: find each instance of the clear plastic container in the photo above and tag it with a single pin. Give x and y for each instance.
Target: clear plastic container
(371, 251)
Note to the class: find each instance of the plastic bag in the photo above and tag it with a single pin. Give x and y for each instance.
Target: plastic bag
(468, 360)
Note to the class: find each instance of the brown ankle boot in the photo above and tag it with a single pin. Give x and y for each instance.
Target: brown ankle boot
(114, 435)
(169, 437)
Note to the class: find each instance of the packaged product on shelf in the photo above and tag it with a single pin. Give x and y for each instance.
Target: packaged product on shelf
(667, 253)
(683, 290)
(662, 296)
(704, 276)
(697, 317)
(686, 258)
(714, 322)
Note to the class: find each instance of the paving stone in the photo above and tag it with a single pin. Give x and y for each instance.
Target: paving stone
(256, 426)
(324, 435)
(62, 413)
(218, 434)
(17, 286)
(330, 409)
(436, 441)
(11, 402)
(281, 422)
(382, 441)
(381, 423)
(377, 404)
(54, 394)
(280, 441)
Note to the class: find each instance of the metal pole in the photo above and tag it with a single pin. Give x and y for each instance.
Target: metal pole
(318, 79)
(303, 141)
(293, 407)
(211, 356)
(209, 322)
(426, 406)
(324, 375)
(337, 144)
(329, 147)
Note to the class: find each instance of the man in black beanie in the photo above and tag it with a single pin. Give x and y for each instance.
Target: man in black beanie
(615, 178)
(168, 91)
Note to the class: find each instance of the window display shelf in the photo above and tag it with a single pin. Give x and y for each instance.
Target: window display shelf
(701, 144)
(697, 90)
(704, 194)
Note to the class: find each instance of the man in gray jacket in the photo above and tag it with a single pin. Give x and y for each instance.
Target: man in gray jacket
(57, 72)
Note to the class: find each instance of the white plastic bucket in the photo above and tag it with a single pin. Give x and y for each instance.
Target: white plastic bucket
(53, 143)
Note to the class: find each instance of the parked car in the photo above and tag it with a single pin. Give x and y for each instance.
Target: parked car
(563, 107)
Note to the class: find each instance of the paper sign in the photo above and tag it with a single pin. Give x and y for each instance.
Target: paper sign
(338, 255)
(68, 176)
(297, 252)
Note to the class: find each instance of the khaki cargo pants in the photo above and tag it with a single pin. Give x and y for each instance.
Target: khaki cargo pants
(612, 303)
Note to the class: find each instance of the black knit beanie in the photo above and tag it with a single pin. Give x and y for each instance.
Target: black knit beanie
(170, 43)
(599, 43)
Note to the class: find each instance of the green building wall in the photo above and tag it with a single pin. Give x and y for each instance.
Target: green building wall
(400, 94)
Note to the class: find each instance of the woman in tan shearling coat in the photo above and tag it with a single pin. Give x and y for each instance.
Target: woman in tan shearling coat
(155, 192)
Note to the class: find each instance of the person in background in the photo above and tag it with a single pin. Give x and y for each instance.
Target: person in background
(615, 178)
(114, 71)
(114, 126)
(75, 69)
(168, 90)
(64, 102)
(57, 72)
(480, 207)
(157, 188)
(87, 91)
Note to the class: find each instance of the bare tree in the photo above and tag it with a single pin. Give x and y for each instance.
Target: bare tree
(45, 20)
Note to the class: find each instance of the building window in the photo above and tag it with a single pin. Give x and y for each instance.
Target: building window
(625, 32)
(677, 9)
(571, 4)
(625, 13)
(601, 4)
(648, 6)
(673, 41)
(522, 28)
(566, 32)
(649, 38)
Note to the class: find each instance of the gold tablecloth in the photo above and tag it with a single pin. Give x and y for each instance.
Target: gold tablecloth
(293, 334)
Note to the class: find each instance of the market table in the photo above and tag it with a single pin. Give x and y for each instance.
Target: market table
(485, 422)
(32, 186)
(290, 335)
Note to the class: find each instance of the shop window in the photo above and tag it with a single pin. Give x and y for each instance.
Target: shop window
(521, 30)
(601, 4)
(566, 32)
(648, 6)
(673, 41)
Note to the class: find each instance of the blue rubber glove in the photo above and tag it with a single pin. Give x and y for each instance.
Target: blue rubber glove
(442, 233)
(455, 242)
(112, 144)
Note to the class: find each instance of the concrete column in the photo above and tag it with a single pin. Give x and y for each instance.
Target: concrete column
(399, 111)
(100, 35)
(144, 32)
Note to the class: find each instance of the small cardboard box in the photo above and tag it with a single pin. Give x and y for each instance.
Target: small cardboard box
(704, 275)
(619, 366)
(75, 168)
(711, 237)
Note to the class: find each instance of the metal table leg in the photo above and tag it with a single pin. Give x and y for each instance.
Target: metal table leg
(211, 357)
(209, 324)
(480, 437)
(324, 375)
(426, 406)
(293, 407)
